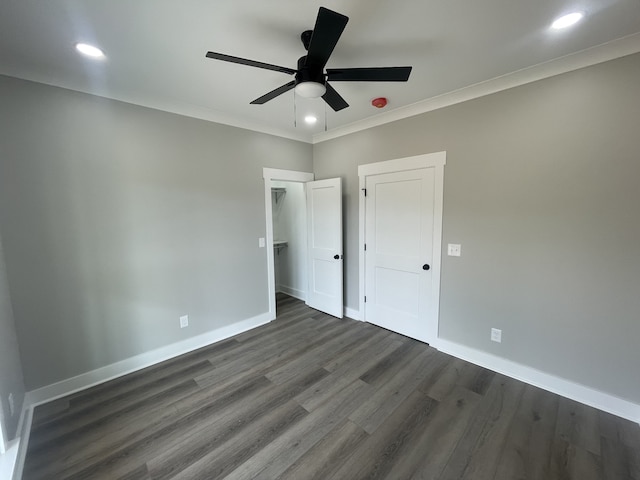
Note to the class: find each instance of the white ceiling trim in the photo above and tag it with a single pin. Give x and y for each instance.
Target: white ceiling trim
(608, 51)
(201, 113)
(217, 117)
(187, 110)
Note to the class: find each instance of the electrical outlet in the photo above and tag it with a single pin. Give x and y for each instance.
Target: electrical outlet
(496, 335)
(261, 242)
(184, 321)
(454, 250)
(12, 405)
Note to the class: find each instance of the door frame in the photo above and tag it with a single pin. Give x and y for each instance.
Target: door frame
(269, 175)
(430, 160)
(3, 441)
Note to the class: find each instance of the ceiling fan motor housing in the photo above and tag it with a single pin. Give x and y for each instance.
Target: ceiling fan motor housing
(308, 73)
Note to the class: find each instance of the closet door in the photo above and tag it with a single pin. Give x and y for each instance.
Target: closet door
(399, 229)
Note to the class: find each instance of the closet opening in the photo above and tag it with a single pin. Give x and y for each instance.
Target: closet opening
(289, 218)
(286, 242)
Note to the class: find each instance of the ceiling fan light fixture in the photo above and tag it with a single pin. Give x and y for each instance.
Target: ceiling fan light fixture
(567, 20)
(89, 50)
(310, 89)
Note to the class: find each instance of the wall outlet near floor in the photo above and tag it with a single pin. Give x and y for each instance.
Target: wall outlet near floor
(454, 250)
(184, 321)
(12, 405)
(496, 335)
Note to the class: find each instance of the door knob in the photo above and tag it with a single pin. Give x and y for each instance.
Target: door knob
(426, 266)
(336, 257)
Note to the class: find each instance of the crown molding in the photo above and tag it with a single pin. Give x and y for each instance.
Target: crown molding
(209, 115)
(591, 56)
(201, 113)
(178, 108)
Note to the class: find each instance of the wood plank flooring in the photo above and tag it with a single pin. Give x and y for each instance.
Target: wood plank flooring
(309, 396)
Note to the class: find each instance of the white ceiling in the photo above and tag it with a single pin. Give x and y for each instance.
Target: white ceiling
(156, 50)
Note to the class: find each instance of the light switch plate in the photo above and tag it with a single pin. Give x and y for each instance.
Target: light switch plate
(454, 249)
(184, 321)
(261, 243)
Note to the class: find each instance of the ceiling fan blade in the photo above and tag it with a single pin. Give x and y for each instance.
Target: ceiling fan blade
(251, 63)
(274, 93)
(326, 33)
(333, 99)
(375, 74)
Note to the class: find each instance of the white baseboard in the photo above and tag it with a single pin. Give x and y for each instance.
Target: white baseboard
(8, 459)
(566, 388)
(352, 313)
(12, 461)
(24, 428)
(118, 369)
(89, 379)
(293, 292)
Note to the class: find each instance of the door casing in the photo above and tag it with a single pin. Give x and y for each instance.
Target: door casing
(270, 174)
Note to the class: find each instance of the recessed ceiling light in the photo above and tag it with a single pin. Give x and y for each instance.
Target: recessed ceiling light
(310, 119)
(89, 50)
(567, 20)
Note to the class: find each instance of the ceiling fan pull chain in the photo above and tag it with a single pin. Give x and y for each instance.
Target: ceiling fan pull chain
(325, 117)
(295, 112)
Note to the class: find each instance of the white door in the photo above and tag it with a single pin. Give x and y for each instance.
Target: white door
(399, 238)
(324, 224)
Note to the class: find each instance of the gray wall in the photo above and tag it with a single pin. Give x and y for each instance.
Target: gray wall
(541, 189)
(10, 367)
(118, 219)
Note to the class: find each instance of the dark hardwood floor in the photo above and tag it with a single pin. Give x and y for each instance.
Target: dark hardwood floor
(312, 397)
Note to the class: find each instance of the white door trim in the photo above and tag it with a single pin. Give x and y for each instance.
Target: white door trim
(270, 174)
(430, 160)
(3, 442)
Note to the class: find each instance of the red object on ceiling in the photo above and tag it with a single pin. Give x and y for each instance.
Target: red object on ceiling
(379, 102)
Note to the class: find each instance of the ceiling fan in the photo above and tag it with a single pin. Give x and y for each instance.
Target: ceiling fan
(310, 78)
